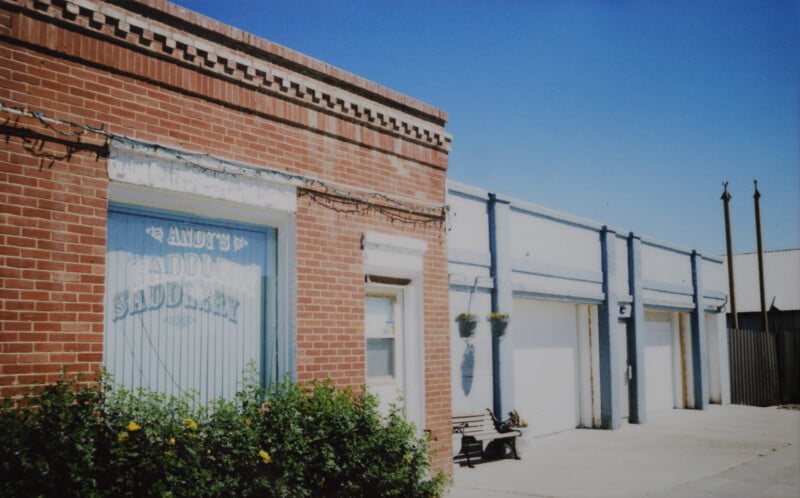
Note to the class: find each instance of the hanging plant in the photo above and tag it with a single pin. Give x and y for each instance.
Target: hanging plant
(466, 324)
(499, 322)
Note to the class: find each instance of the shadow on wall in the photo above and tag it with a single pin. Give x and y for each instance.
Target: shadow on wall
(467, 368)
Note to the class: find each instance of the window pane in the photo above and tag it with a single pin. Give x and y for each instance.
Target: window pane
(184, 301)
(380, 357)
(379, 316)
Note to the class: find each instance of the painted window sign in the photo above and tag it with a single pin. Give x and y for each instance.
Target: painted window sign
(189, 302)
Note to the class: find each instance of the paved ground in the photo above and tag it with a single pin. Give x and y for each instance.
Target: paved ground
(726, 451)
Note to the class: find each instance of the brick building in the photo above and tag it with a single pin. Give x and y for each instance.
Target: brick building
(181, 198)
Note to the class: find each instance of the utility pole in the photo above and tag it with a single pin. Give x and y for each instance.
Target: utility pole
(726, 198)
(756, 197)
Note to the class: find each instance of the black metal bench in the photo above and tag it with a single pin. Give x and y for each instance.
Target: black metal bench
(477, 428)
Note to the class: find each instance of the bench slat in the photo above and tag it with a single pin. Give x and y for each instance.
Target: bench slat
(493, 435)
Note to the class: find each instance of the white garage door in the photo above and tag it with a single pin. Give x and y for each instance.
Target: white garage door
(546, 364)
(658, 373)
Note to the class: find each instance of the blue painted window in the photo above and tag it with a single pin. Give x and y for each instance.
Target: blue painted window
(190, 302)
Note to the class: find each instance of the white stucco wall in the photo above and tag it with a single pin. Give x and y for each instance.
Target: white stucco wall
(471, 358)
(667, 276)
(468, 226)
(532, 237)
(556, 264)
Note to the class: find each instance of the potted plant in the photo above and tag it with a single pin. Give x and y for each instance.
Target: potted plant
(466, 324)
(499, 322)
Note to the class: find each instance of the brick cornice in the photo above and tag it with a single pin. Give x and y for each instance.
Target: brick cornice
(169, 31)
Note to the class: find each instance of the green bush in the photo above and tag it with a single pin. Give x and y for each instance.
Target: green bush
(48, 442)
(76, 439)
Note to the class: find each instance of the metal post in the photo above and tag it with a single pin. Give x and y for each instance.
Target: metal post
(698, 334)
(502, 301)
(608, 335)
(637, 394)
(726, 198)
(756, 197)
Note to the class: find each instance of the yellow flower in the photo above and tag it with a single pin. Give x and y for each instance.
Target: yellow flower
(265, 456)
(407, 457)
(208, 452)
(190, 423)
(172, 441)
(122, 436)
(247, 421)
(133, 427)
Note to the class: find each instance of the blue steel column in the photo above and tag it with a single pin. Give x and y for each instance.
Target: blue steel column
(502, 300)
(699, 343)
(637, 394)
(610, 381)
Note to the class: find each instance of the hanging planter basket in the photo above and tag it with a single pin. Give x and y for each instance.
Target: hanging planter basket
(499, 322)
(466, 324)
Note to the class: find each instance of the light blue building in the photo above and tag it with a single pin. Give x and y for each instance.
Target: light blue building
(605, 326)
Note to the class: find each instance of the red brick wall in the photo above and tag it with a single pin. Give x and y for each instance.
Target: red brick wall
(52, 253)
(52, 236)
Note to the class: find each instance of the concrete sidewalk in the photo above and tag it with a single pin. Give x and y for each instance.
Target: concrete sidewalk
(726, 451)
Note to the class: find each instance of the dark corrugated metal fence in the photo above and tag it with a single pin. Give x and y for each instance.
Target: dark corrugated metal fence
(764, 367)
(788, 349)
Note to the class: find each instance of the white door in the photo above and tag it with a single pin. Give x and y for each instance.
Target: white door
(546, 364)
(658, 372)
(385, 345)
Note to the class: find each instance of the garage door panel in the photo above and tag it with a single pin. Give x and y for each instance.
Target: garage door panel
(658, 361)
(546, 364)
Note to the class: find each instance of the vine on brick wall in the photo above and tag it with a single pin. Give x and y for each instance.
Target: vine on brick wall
(48, 139)
(401, 214)
(53, 140)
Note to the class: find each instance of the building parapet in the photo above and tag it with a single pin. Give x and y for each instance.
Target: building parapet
(168, 31)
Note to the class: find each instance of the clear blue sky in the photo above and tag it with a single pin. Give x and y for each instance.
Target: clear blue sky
(630, 113)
